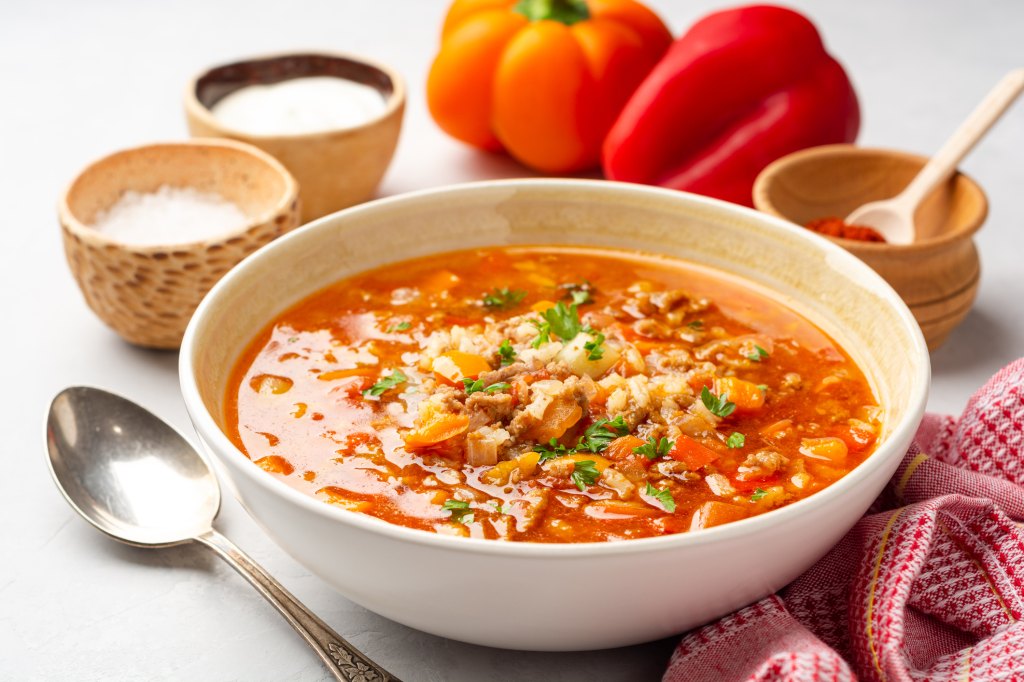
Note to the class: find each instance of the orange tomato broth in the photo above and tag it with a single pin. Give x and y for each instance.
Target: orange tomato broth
(300, 403)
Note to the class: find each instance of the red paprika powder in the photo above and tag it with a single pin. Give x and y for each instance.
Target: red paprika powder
(835, 227)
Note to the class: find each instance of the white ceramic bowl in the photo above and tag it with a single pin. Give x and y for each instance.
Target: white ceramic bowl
(549, 596)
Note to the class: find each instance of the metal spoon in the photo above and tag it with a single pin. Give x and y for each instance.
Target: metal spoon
(894, 218)
(132, 476)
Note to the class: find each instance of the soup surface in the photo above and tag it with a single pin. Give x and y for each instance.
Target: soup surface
(551, 395)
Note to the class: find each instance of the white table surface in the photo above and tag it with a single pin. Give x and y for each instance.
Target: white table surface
(86, 78)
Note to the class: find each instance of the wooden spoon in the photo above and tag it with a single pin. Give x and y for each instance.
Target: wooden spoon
(894, 218)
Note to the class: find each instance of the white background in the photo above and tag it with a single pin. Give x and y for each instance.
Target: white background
(82, 79)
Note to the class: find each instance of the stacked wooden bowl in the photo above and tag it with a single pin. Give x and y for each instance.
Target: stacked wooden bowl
(938, 274)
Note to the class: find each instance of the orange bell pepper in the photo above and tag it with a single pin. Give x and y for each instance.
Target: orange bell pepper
(541, 79)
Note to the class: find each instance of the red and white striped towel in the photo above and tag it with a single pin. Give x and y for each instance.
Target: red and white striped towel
(929, 585)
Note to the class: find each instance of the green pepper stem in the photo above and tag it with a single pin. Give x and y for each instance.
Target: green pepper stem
(567, 12)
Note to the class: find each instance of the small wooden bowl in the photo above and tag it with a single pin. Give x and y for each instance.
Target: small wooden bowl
(335, 169)
(148, 293)
(938, 274)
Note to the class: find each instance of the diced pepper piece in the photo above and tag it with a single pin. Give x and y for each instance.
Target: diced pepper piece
(437, 430)
(830, 449)
(744, 394)
(499, 474)
(559, 417)
(691, 453)
(714, 513)
(541, 306)
(454, 366)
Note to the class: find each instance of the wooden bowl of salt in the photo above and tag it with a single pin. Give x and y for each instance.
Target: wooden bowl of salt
(333, 120)
(148, 231)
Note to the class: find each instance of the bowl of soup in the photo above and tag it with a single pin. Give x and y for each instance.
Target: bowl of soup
(554, 414)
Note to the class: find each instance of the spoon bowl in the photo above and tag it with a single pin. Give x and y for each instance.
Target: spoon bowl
(132, 476)
(127, 472)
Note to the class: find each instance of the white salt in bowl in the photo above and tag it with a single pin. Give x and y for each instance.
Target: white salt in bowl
(337, 167)
(146, 286)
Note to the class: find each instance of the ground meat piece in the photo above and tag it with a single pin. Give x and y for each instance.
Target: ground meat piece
(503, 373)
(676, 470)
(631, 398)
(792, 381)
(669, 300)
(675, 359)
(652, 329)
(720, 485)
(761, 464)
(486, 408)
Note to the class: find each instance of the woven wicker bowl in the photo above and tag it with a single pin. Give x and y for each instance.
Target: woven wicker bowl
(148, 293)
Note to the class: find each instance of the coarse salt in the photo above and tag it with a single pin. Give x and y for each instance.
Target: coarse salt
(170, 215)
(298, 106)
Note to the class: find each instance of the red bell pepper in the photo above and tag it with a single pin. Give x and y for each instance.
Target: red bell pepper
(740, 89)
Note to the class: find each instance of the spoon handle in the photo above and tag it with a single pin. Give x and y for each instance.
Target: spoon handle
(942, 165)
(344, 661)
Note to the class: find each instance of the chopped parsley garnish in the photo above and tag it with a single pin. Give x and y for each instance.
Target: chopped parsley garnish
(507, 353)
(543, 333)
(696, 324)
(400, 327)
(595, 351)
(477, 385)
(717, 405)
(498, 509)
(579, 293)
(758, 355)
(292, 339)
(654, 448)
(736, 440)
(584, 473)
(663, 496)
(386, 383)
(563, 320)
(461, 513)
(758, 494)
(504, 297)
(763, 387)
(601, 433)
(552, 449)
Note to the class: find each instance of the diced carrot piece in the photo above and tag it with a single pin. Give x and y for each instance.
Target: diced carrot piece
(454, 366)
(437, 430)
(691, 453)
(714, 513)
(275, 464)
(776, 428)
(336, 374)
(857, 435)
(600, 463)
(745, 394)
(622, 447)
(541, 306)
(829, 449)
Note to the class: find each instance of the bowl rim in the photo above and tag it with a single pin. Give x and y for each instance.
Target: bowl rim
(393, 103)
(90, 234)
(211, 435)
(763, 201)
